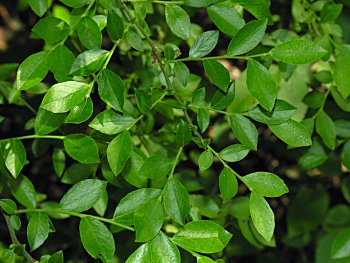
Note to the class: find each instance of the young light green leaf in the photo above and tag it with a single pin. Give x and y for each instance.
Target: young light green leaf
(89, 33)
(14, 155)
(83, 195)
(228, 184)
(203, 119)
(244, 130)
(38, 230)
(265, 184)
(47, 121)
(81, 112)
(59, 29)
(81, 148)
(148, 220)
(97, 240)
(226, 17)
(262, 215)
(342, 70)
(62, 60)
(247, 38)
(156, 166)
(341, 245)
(202, 236)
(205, 160)
(261, 85)
(109, 122)
(234, 153)
(178, 21)
(297, 51)
(58, 161)
(326, 129)
(33, 70)
(183, 134)
(217, 74)
(75, 3)
(63, 97)
(39, 6)
(88, 62)
(292, 132)
(204, 44)
(119, 151)
(176, 200)
(124, 213)
(115, 25)
(163, 250)
(23, 190)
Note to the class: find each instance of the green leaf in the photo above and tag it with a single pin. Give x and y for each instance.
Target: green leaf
(78, 172)
(59, 29)
(63, 97)
(247, 38)
(222, 100)
(81, 148)
(39, 6)
(14, 155)
(176, 200)
(141, 255)
(203, 259)
(346, 155)
(62, 60)
(83, 195)
(89, 33)
(163, 250)
(228, 184)
(341, 245)
(124, 213)
(181, 72)
(244, 130)
(47, 121)
(119, 151)
(282, 112)
(178, 21)
(217, 74)
(81, 112)
(325, 127)
(234, 153)
(88, 62)
(115, 25)
(265, 184)
(8, 206)
(156, 166)
(204, 44)
(202, 236)
(97, 240)
(205, 160)
(75, 3)
(262, 215)
(109, 122)
(148, 220)
(203, 119)
(226, 17)
(261, 85)
(38, 230)
(33, 70)
(58, 161)
(292, 132)
(342, 103)
(131, 171)
(342, 70)
(183, 134)
(111, 89)
(297, 51)
(134, 39)
(23, 190)
(201, 3)
(342, 128)
(314, 157)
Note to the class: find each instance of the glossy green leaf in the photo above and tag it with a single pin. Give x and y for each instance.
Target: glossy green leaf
(62, 60)
(342, 70)
(297, 51)
(23, 190)
(156, 166)
(89, 33)
(134, 39)
(33, 70)
(341, 245)
(81, 148)
(204, 44)
(228, 184)
(244, 130)
(109, 122)
(75, 3)
(183, 134)
(203, 119)
(83, 195)
(205, 160)
(97, 240)
(115, 25)
(217, 74)
(119, 151)
(262, 215)
(64, 96)
(81, 112)
(292, 133)
(39, 6)
(148, 220)
(38, 230)
(326, 129)
(265, 184)
(131, 171)
(47, 121)
(314, 157)
(247, 38)
(202, 236)
(141, 255)
(261, 85)
(163, 250)
(59, 29)
(178, 21)
(88, 62)
(78, 172)
(222, 100)
(176, 200)
(234, 153)
(8, 206)
(14, 155)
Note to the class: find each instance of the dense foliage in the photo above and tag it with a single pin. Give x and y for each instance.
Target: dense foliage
(177, 131)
